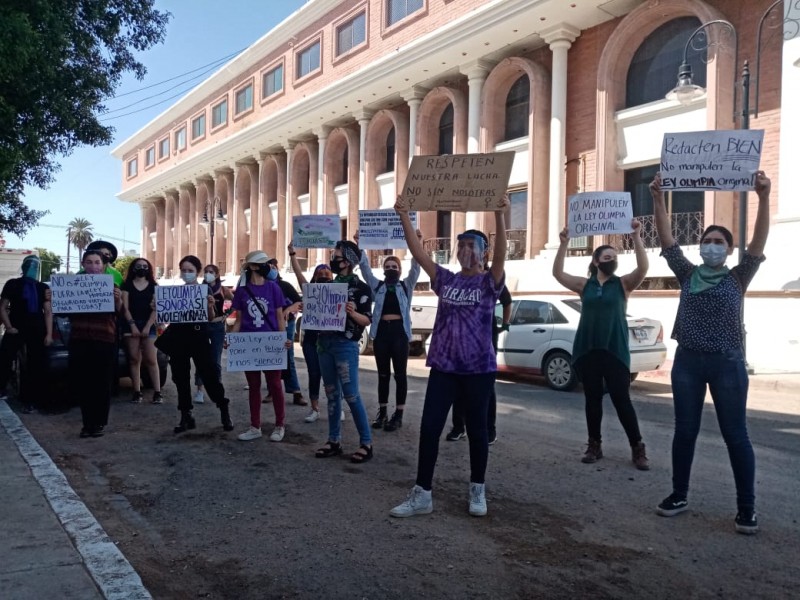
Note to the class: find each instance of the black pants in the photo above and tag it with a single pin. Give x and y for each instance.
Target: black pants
(34, 375)
(196, 347)
(599, 366)
(459, 419)
(92, 367)
(391, 352)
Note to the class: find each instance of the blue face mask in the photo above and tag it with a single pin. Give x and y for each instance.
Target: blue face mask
(272, 275)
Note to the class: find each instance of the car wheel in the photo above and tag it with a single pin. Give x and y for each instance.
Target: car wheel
(363, 342)
(559, 372)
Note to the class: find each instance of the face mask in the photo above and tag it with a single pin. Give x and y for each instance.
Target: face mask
(272, 274)
(189, 277)
(323, 280)
(608, 267)
(141, 270)
(391, 275)
(106, 259)
(336, 264)
(210, 278)
(713, 255)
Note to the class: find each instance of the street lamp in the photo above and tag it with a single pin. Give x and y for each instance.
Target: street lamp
(215, 208)
(685, 91)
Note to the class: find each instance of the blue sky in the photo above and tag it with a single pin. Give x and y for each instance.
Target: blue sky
(199, 33)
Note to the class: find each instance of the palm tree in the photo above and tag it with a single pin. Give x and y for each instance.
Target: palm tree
(80, 233)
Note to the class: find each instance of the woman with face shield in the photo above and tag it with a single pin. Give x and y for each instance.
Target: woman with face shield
(600, 352)
(461, 357)
(710, 354)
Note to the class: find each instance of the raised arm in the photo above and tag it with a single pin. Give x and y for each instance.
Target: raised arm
(413, 273)
(571, 282)
(499, 254)
(414, 243)
(366, 271)
(761, 228)
(298, 270)
(663, 226)
(634, 279)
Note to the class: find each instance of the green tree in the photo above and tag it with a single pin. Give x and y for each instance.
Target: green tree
(59, 62)
(123, 263)
(80, 234)
(50, 262)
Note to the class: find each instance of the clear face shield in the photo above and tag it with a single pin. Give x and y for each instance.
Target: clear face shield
(32, 268)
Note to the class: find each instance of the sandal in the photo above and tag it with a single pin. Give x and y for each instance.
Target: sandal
(328, 450)
(359, 457)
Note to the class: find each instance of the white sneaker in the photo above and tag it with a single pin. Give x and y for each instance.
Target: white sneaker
(251, 434)
(277, 434)
(199, 397)
(477, 499)
(312, 416)
(419, 502)
(343, 417)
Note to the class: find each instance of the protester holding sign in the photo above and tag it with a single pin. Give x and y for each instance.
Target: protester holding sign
(186, 342)
(710, 354)
(600, 352)
(461, 356)
(259, 304)
(391, 332)
(216, 328)
(338, 357)
(322, 274)
(139, 326)
(93, 355)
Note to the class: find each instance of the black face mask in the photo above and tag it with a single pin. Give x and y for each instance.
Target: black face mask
(324, 280)
(106, 259)
(607, 267)
(336, 264)
(391, 276)
(141, 271)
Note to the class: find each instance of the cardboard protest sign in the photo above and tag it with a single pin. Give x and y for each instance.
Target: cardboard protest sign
(711, 160)
(324, 306)
(83, 293)
(458, 182)
(182, 303)
(316, 231)
(599, 213)
(381, 229)
(261, 351)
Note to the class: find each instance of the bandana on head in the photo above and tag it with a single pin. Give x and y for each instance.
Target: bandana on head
(350, 255)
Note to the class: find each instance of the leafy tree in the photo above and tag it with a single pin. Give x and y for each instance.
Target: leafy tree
(50, 262)
(123, 263)
(80, 234)
(59, 61)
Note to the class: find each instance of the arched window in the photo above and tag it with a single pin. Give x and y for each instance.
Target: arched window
(345, 165)
(446, 131)
(517, 109)
(389, 166)
(654, 69)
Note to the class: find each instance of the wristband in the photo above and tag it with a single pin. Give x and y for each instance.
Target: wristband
(292, 253)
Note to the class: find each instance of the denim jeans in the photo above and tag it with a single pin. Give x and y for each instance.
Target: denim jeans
(725, 375)
(473, 391)
(290, 381)
(338, 361)
(312, 366)
(216, 335)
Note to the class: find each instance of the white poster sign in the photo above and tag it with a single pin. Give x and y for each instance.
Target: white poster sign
(702, 161)
(382, 230)
(182, 303)
(83, 293)
(599, 213)
(324, 306)
(316, 231)
(261, 351)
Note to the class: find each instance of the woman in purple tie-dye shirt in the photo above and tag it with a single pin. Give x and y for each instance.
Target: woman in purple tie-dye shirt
(461, 357)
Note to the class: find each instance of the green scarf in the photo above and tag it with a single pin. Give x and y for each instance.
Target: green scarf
(704, 278)
(345, 278)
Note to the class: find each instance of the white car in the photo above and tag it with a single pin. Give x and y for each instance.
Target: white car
(541, 333)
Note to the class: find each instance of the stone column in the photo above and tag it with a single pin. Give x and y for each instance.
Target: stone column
(322, 142)
(560, 39)
(363, 119)
(161, 222)
(232, 243)
(476, 76)
(288, 199)
(260, 217)
(414, 99)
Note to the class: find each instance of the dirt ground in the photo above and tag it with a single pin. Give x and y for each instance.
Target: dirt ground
(202, 515)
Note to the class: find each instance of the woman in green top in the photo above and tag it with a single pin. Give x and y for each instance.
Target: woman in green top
(600, 352)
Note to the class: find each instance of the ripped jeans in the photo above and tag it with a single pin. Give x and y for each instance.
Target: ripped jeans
(338, 361)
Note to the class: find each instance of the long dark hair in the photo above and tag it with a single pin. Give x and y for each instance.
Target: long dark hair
(598, 252)
(192, 260)
(129, 275)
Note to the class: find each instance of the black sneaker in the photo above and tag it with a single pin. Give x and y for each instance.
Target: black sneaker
(746, 521)
(395, 423)
(136, 398)
(381, 420)
(672, 505)
(455, 435)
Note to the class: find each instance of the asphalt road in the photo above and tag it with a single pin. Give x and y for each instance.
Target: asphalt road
(202, 515)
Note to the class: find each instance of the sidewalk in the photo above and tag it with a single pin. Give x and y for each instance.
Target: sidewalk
(38, 557)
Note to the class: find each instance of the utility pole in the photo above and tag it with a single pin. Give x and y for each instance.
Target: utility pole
(69, 243)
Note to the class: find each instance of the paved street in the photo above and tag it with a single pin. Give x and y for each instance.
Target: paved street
(204, 515)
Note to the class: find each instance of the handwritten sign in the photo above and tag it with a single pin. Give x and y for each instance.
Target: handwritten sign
(324, 306)
(458, 182)
(316, 231)
(181, 303)
(599, 213)
(711, 160)
(381, 229)
(72, 294)
(261, 351)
